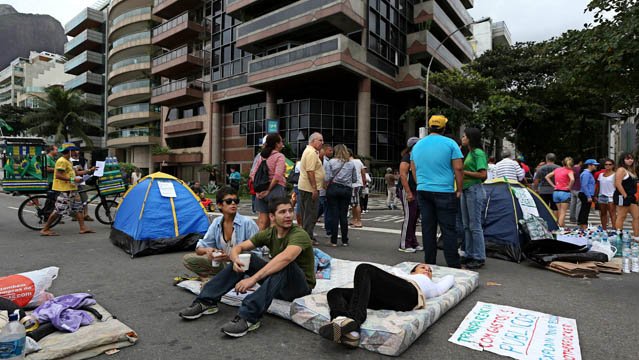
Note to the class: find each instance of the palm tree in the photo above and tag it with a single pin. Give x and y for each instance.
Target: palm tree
(63, 114)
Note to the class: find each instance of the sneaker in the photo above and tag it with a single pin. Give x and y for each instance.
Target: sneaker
(238, 327)
(339, 326)
(345, 244)
(351, 339)
(196, 310)
(474, 264)
(419, 248)
(407, 250)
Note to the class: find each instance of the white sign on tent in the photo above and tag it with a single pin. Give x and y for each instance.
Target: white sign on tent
(166, 189)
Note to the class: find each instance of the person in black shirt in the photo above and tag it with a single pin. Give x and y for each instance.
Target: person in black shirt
(407, 189)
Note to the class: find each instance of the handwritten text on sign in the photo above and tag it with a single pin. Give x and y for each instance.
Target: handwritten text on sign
(518, 333)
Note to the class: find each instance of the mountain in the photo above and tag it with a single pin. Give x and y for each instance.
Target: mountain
(22, 33)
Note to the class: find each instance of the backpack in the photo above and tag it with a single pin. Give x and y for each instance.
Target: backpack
(293, 178)
(260, 179)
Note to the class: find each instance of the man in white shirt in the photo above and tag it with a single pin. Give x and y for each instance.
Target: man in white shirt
(508, 168)
(357, 190)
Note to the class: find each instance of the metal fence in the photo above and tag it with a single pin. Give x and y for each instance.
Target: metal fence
(377, 186)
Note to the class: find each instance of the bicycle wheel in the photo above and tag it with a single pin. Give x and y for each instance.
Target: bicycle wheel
(105, 211)
(31, 213)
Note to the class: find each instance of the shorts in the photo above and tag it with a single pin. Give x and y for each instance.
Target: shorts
(68, 203)
(561, 196)
(356, 195)
(84, 195)
(261, 205)
(621, 201)
(548, 200)
(604, 199)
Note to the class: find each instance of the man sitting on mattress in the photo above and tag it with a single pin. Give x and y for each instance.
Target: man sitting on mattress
(289, 275)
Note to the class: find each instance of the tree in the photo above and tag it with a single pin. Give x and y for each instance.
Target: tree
(63, 114)
(12, 115)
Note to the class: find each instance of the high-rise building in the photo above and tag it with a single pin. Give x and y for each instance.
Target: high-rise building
(487, 35)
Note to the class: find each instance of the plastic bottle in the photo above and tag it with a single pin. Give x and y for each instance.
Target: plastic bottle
(619, 243)
(634, 257)
(12, 339)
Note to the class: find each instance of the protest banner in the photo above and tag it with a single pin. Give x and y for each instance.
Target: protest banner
(518, 333)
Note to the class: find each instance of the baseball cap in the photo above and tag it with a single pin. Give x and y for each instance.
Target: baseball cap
(68, 147)
(438, 121)
(591, 162)
(411, 142)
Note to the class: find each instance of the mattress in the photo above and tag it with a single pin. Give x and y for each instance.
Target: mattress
(387, 332)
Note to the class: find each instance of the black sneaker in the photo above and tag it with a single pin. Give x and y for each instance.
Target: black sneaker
(474, 264)
(239, 327)
(196, 310)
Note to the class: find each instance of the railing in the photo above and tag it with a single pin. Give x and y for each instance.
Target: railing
(34, 89)
(85, 14)
(132, 37)
(87, 77)
(131, 61)
(130, 85)
(179, 85)
(174, 22)
(184, 50)
(82, 58)
(132, 13)
(284, 14)
(137, 132)
(134, 108)
(82, 37)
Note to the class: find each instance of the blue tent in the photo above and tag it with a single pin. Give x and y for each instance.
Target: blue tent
(148, 222)
(502, 212)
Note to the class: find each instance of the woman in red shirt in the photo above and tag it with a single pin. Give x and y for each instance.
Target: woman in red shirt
(564, 177)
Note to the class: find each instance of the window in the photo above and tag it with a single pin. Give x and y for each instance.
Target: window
(227, 59)
(387, 28)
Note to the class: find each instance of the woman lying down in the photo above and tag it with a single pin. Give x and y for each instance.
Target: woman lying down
(377, 289)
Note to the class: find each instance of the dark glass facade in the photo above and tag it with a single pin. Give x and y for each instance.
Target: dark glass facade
(388, 23)
(226, 60)
(251, 118)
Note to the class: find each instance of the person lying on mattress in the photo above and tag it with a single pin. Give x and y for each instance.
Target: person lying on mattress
(377, 289)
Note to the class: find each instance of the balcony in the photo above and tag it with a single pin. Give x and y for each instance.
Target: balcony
(468, 4)
(92, 99)
(167, 9)
(179, 30)
(501, 34)
(253, 8)
(133, 137)
(87, 19)
(130, 41)
(84, 62)
(129, 92)
(448, 27)
(87, 82)
(178, 62)
(420, 49)
(179, 92)
(290, 21)
(131, 17)
(133, 114)
(87, 40)
(183, 125)
(129, 69)
(183, 158)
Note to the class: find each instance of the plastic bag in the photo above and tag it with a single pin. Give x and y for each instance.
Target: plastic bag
(28, 289)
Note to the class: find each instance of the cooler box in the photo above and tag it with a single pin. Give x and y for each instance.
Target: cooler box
(111, 183)
(25, 185)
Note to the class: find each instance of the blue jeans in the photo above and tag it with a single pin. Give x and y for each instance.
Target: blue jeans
(323, 210)
(472, 205)
(439, 209)
(287, 284)
(339, 197)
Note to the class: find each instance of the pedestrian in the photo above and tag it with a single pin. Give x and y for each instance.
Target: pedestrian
(326, 153)
(197, 188)
(473, 199)
(365, 191)
(541, 186)
(408, 196)
(391, 188)
(563, 179)
(340, 175)
(607, 208)
(68, 201)
(295, 196)
(52, 156)
(507, 168)
(276, 164)
(213, 176)
(357, 191)
(625, 191)
(235, 179)
(136, 176)
(80, 165)
(492, 167)
(587, 191)
(436, 163)
(310, 182)
(575, 201)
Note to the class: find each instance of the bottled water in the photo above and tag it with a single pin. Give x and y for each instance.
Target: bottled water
(12, 339)
(619, 243)
(634, 257)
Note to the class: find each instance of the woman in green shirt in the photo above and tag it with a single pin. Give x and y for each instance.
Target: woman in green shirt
(473, 198)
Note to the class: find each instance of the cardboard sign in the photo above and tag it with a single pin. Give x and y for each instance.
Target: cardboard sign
(518, 333)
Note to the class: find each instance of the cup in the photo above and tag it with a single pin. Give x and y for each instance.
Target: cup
(215, 254)
(245, 259)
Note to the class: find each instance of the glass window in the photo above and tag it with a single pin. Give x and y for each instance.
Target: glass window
(316, 106)
(315, 121)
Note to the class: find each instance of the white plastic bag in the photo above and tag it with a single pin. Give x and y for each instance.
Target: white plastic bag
(607, 249)
(28, 289)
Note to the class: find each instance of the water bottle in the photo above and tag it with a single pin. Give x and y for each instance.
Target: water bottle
(12, 339)
(619, 243)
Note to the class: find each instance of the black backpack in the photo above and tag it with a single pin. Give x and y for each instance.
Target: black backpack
(260, 180)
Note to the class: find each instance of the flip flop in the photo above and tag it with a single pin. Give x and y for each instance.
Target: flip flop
(87, 232)
(50, 233)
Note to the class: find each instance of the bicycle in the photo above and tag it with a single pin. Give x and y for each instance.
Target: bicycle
(34, 215)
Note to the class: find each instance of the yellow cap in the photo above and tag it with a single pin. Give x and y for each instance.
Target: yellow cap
(438, 121)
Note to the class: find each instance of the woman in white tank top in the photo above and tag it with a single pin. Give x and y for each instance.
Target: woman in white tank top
(606, 182)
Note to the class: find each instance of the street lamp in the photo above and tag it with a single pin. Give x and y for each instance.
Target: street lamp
(435, 52)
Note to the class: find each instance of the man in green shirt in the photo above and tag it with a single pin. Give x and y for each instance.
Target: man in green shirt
(52, 155)
(289, 275)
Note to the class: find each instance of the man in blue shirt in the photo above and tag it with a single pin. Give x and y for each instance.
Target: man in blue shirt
(437, 165)
(586, 191)
(225, 232)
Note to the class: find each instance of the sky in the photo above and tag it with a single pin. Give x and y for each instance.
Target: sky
(527, 20)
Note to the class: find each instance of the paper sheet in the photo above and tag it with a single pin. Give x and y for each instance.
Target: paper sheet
(167, 189)
(99, 168)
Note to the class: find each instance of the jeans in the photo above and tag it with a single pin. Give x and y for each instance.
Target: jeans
(472, 206)
(339, 198)
(323, 210)
(584, 209)
(286, 284)
(408, 239)
(309, 209)
(373, 288)
(441, 209)
(575, 205)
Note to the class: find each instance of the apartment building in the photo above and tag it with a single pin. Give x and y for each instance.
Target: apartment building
(487, 35)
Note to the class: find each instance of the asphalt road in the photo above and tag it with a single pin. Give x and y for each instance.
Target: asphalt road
(140, 293)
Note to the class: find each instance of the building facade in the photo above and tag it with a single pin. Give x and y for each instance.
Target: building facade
(488, 35)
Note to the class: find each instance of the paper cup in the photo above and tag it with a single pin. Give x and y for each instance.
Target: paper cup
(245, 259)
(216, 263)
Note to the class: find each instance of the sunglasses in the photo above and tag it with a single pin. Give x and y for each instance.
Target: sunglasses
(608, 164)
(231, 201)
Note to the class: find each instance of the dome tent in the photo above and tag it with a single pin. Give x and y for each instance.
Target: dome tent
(151, 221)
